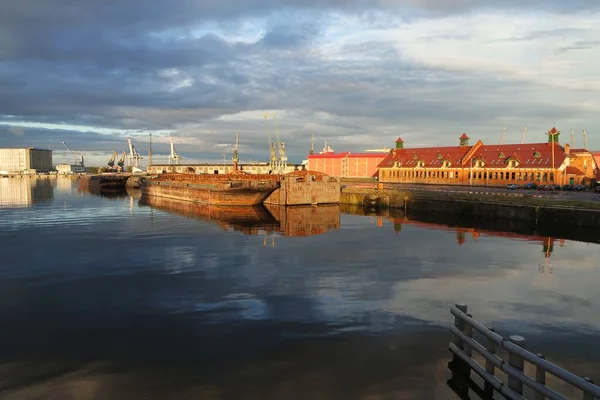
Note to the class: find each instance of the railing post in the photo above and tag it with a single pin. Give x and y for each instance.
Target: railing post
(490, 346)
(459, 324)
(588, 396)
(459, 364)
(468, 333)
(517, 362)
(540, 377)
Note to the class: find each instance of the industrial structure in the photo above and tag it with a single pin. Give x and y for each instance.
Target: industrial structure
(174, 157)
(490, 165)
(27, 160)
(135, 159)
(77, 167)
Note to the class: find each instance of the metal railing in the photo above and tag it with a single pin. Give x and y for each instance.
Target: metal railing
(462, 347)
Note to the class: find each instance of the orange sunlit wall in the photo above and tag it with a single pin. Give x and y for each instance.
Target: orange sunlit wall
(348, 165)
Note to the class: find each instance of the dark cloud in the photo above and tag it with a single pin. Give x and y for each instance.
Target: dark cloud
(180, 66)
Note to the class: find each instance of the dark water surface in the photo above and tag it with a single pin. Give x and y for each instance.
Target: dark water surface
(107, 298)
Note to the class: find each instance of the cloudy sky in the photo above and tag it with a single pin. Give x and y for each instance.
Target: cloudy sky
(356, 73)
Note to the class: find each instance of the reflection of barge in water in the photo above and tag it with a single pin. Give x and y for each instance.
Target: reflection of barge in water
(254, 220)
(103, 183)
(247, 219)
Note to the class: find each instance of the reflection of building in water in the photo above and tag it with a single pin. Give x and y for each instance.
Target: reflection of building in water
(23, 192)
(462, 234)
(64, 184)
(255, 220)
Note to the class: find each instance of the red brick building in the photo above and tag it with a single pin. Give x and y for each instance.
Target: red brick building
(490, 165)
(347, 165)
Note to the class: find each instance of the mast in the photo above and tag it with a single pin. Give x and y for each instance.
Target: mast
(523, 134)
(150, 151)
(236, 157)
(272, 150)
(585, 143)
(312, 145)
(281, 151)
(572, 138)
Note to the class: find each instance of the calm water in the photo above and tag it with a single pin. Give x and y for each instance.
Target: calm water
(107, 298)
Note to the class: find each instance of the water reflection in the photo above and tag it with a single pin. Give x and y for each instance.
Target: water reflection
(256, 220)
(25, 191)
(111, 298)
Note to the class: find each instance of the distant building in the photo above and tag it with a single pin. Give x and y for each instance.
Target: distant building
(347, 164)
(25, 161)
(68, 169)
(490, 165)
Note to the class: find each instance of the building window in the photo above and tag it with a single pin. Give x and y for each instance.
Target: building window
(537, 154)
(501, 155)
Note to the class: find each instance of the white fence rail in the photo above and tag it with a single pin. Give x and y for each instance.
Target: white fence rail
(463, 344)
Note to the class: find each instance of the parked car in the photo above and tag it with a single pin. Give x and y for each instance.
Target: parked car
(580, 188)
(597, 190)
(568, 187)
(530, 185)
(512, 186)
(541, 187)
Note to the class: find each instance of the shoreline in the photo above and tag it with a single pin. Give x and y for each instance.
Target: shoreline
(543, 212)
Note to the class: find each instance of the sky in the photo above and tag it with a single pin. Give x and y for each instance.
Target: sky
(355, 73)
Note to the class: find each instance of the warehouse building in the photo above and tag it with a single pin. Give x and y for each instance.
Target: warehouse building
(25, 161)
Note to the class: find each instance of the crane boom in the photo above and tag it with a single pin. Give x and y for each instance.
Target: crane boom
(75, 156)
(111, 161)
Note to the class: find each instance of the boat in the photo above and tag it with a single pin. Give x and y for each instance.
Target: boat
(233, 189)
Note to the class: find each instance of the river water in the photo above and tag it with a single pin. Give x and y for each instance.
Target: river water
(107, 297)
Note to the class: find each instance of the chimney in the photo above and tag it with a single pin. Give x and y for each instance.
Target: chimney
(567, 149)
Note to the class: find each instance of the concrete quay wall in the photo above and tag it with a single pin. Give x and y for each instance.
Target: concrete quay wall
(541, 214)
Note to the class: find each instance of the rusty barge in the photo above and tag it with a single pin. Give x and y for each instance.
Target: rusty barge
(242, 189)
(235, 189)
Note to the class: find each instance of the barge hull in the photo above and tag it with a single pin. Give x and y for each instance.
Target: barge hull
(241, 196)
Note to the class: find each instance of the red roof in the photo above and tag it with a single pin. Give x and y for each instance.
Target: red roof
(399, 140)
(528, 155)
(431, 156)
(570, 170)
(464, 136)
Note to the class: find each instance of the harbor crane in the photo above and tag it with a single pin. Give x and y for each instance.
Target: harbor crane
(113, 158)
(121, 162)
(75, 156)
(272, 148)
(174, 157)
(135, 159)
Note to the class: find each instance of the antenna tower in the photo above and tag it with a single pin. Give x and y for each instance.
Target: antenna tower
(585, 143)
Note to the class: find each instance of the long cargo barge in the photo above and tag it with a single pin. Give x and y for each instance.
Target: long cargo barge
(234, 189)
